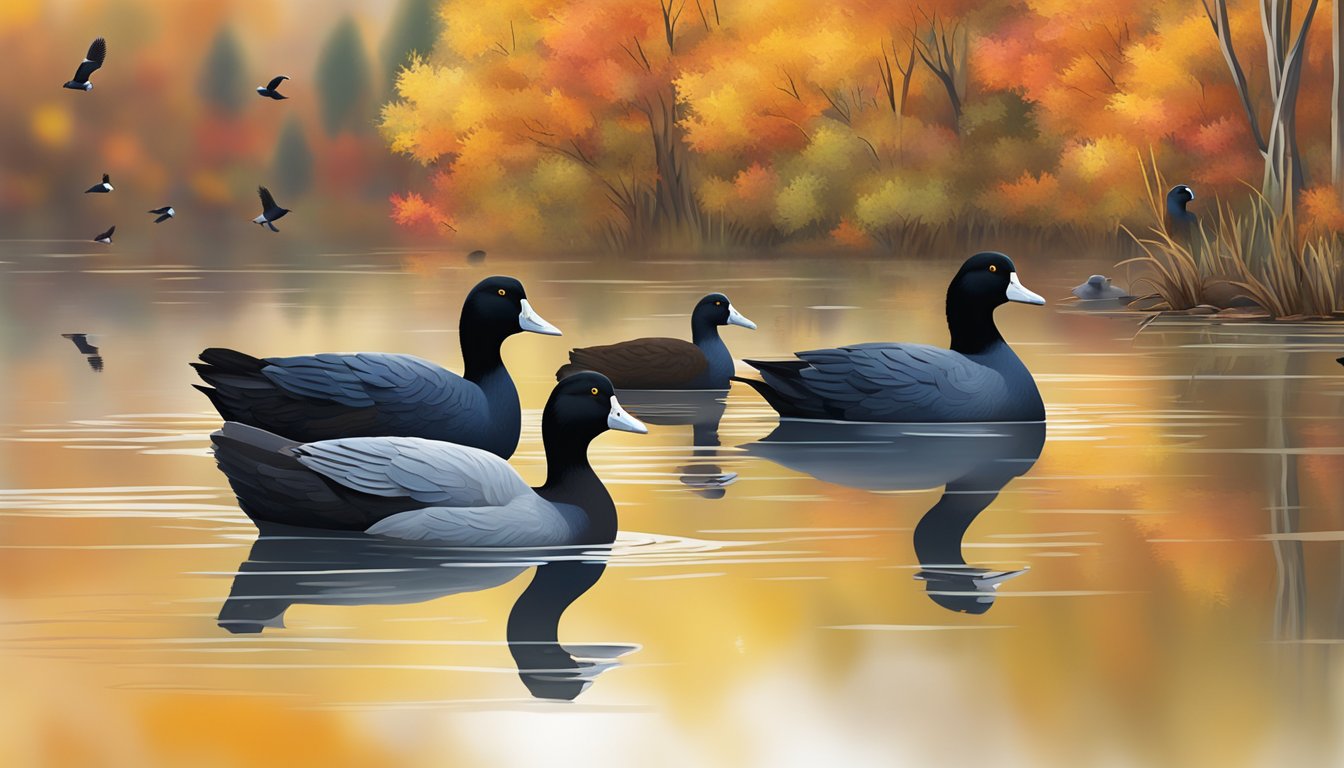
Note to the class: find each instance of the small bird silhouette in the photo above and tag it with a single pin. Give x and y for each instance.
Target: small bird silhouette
(106, 237)
(86, 349)
(270, 212)
(165, 213)
(270, 90)
(103, 186)
(92, 61)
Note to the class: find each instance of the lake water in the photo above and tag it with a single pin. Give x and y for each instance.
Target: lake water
(1167, 551)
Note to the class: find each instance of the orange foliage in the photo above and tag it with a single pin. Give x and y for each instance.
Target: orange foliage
(412, 210)
(804, 120)
(1323, 209)
(851, 235)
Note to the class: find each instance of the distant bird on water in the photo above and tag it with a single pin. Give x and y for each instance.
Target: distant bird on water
(1099, 288)
(270, 91)
(106, 237)
(92, 61)
(270, 212)
(165, 213)
(104, 186)
(87, 350)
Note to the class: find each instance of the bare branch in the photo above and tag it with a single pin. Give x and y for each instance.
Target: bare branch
(840, 104)
(792, 90)
(1218, 20)
(703, 19)
(792, 122)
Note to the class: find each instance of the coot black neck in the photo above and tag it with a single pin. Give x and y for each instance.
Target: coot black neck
(481, 340)
(570, 479)
(971, 323)
(703, 329)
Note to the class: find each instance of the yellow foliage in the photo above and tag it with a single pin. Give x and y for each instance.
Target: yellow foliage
(832, 150)
(904, 200)
(558, 179)
(799, 204)
(716, 194)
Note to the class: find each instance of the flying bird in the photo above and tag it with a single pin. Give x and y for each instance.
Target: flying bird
(269, 90)
(92, 61)
(86, 349)
(270, 212)
(165, 213)
(106, 237)
(104, 186)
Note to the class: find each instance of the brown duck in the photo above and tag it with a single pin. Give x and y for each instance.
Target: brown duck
(661, 363)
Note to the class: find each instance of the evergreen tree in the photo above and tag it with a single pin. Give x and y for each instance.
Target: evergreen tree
(343, 80)
(293, 162)
(413, 30)
(222, 84)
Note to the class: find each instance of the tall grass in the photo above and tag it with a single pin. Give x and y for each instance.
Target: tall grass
(1255, 249)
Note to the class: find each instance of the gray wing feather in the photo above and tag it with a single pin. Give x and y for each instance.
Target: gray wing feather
(886, 381)
(370, 378)
(526, 521)
(427, 471)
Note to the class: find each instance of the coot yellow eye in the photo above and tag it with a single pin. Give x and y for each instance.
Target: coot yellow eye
(718, 303)
(501, 291)
(992, 268)
(593, 390)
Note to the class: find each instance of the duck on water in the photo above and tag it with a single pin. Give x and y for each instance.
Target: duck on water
(978, 379)
(673, 364)
(433, 492)
(320, 397)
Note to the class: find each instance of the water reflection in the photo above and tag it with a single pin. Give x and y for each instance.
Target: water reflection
(701, 410)
(973, 461)
(289, 566)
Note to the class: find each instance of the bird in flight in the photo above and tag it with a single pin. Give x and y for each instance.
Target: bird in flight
(86, 349)
(165, 213)
(270, 212)
(270, 90)
(106, 237)
(104, 186)
(92, 61)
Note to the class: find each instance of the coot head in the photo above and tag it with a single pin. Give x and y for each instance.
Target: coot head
(1179, 197)
(498, 307)
(716, 309)
(583, 406)
(987, 280)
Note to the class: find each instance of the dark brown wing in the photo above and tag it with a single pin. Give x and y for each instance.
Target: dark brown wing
(652, 363)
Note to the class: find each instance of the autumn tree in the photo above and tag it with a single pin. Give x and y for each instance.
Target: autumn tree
(1285, 54)
(343, 79)
(667, 124)
(293, 162)
(222, 82)
(414, 28)
(552, 101)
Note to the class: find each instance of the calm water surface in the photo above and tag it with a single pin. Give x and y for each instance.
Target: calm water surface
(1153, 579)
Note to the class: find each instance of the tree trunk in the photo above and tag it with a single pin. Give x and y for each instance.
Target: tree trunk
(1284, 176)
(677, 216)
